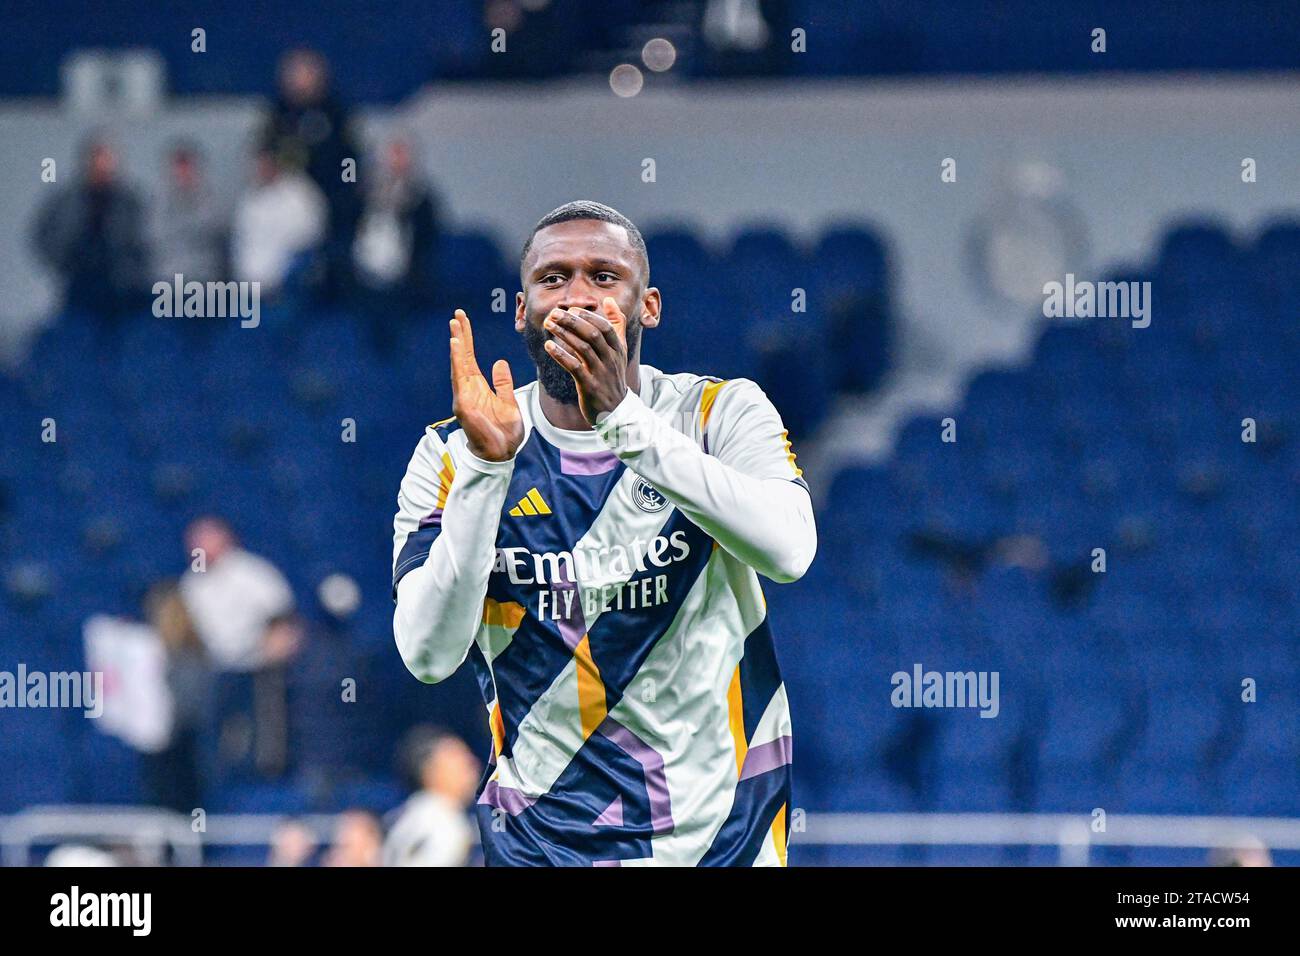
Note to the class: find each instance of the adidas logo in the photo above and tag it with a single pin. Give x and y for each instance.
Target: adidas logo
(530, 504)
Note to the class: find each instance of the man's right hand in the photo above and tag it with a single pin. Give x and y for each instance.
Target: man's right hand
(492, 422)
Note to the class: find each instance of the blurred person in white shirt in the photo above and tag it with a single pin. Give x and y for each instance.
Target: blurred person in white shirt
(237, 601)
(282, 215)
(433, 828)
(242, 608)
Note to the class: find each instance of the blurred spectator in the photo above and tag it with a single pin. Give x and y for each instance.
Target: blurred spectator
(358, 839)
(735, 25)
(292, 844)
(310, 130)
(242, 608)
(79, 855)
(188, 228)
(433, 828)
(739, 36)
(280, 216)
(136, 703)
(1246, 851)
(172, 775)
(334, 739)
(399, 229)
(235, 600)
(92, 235)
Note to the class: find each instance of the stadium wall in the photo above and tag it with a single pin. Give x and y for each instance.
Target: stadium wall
(1091, 169)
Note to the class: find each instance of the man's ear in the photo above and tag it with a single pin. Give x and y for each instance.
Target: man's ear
(651, 305)
(521, 313)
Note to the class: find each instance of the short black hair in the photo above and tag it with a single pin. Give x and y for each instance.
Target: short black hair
(417, 747)
(588, 209)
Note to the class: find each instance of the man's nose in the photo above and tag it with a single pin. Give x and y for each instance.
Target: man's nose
(580, 294)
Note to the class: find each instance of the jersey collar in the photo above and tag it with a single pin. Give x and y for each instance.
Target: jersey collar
(584, 439)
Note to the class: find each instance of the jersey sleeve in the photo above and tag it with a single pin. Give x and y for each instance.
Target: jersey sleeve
(738, 486)
(420, 503)
(742, 428)
(444, 537)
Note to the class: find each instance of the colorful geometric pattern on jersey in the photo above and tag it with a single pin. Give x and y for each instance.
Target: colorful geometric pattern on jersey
(635, 704)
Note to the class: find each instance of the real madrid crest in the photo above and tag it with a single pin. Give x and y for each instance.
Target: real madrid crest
(647, 498)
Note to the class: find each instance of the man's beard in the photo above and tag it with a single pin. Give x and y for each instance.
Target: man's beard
(554, 377)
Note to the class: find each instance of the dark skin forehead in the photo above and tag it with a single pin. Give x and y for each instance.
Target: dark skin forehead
(581, 244)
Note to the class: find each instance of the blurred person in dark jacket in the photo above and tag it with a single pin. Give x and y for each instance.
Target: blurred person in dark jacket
(397, 238)
(173, 773)
(188, 224)
(334, 739)
(92, 235)
(309, 129)
(399, 227)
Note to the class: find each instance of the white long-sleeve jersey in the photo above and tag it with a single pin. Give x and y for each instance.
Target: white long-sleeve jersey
(605, 583)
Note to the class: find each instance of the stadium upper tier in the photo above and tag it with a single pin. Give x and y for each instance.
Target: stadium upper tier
(384, 52)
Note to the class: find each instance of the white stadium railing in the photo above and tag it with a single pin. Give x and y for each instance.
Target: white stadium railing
(1073, 834)
(151, 833)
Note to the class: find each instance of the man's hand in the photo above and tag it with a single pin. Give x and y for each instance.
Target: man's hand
(492, 422)
(281, 641)
(593, 349)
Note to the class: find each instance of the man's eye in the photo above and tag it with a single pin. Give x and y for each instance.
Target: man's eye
(606, 277)
(546, 280)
